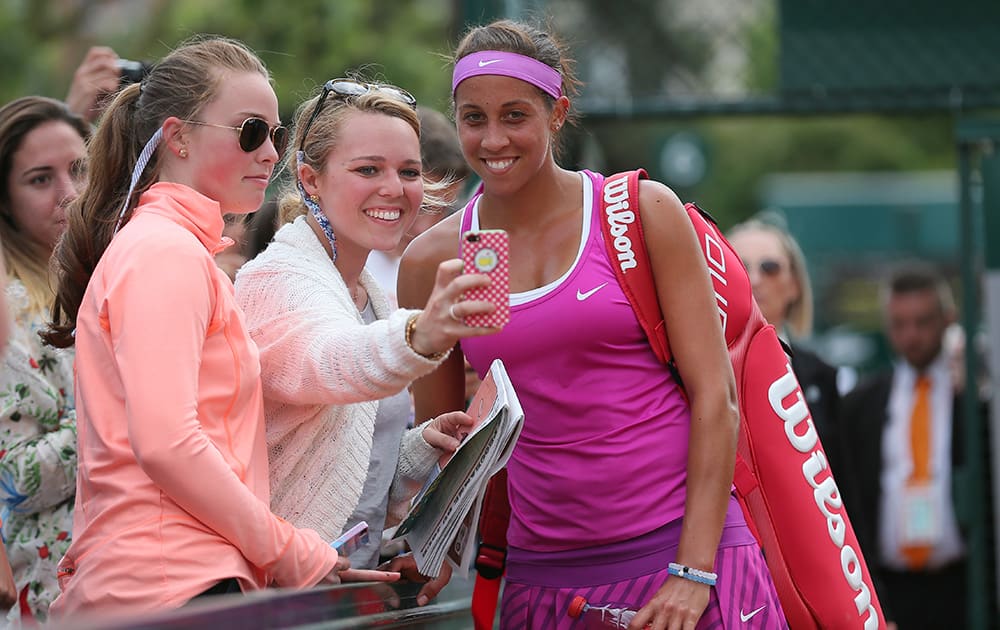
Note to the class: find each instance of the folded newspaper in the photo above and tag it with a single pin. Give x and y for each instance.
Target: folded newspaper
(444, 520)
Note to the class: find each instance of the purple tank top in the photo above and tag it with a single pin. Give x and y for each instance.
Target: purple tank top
(602, 453)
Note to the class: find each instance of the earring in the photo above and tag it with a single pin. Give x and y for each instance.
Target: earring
(314, 198)
(183, 153)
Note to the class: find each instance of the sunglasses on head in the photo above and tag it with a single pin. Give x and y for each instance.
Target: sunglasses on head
(349, 88)
(768, 267)
(253, 133)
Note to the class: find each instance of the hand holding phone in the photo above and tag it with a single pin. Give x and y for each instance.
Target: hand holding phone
(488, 252)
(352, 540)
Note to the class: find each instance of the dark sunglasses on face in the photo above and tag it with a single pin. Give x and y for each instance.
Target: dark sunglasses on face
(349, 88)
(768, 267)
(253, 133)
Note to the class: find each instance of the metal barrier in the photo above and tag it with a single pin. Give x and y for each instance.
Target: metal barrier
(344, 606)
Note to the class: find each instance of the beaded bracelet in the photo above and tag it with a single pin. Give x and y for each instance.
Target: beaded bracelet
(411, 325)
(695, 575)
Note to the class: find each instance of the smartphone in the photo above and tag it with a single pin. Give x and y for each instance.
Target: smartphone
(351, 540)
(488, 251)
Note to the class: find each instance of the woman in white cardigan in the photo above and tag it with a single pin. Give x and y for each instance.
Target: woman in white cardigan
(335, 360)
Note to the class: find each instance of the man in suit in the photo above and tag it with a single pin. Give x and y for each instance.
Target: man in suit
(902, 431)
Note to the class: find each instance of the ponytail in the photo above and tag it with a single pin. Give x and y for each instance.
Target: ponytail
(91, 218)
(179, 85)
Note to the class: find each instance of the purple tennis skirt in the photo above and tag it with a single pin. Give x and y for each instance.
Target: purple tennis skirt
(539, 587)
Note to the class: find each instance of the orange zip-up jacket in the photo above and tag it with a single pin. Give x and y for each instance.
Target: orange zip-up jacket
(172, 489)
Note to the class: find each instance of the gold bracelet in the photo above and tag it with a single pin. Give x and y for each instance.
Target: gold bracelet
(411, 325)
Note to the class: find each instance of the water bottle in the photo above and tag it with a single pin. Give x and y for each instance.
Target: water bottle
(598, 617)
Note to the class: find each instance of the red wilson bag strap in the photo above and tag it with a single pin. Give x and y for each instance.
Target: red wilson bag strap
(622, 230)
(492, 551)
(623, 236)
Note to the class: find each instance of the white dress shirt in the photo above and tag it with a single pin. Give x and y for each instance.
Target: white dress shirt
(898, 465)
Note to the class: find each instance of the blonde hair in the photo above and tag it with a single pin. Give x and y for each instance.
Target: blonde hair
(324, 134)
(27, 260)
(798, 314)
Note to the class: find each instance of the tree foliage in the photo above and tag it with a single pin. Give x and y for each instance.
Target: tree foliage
(303, 42)
(672, 56)
(639, 47)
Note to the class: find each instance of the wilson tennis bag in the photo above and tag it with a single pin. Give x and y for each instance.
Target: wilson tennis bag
(782, 478)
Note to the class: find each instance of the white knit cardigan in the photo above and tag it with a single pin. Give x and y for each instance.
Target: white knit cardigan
(323, 372)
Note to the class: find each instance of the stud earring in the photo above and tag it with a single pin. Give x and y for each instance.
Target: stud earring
(314, 198)
(183, 153)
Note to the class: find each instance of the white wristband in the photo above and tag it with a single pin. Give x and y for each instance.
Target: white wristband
(695, 575)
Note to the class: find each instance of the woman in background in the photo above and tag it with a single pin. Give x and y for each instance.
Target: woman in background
(781, 287)
(42, 169)
(8, 588)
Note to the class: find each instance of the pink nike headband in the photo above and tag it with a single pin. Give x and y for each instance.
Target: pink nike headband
(508, 64)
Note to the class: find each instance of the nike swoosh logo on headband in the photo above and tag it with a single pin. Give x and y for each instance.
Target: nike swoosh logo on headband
(486, 62)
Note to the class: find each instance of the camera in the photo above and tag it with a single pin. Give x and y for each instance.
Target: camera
(133, 71)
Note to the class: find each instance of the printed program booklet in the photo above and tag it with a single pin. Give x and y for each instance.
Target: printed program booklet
(444, 520)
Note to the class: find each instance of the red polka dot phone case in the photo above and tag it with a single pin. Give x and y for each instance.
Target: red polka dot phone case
(488, 251)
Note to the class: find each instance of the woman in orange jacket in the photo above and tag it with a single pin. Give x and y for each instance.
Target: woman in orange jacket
(172, 493)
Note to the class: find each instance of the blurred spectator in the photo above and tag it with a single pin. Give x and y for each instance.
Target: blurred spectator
(42, 166)
(4, 313)
(96, 78)
(781, 287)
(263, 224)
(904, 439)
(233, 257)
(250, 234)
(8, 588)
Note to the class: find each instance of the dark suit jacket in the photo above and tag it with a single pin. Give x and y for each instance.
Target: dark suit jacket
(916, 600)
(864, 415)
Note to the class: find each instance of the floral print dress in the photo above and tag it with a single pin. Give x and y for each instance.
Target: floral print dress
(37, 457)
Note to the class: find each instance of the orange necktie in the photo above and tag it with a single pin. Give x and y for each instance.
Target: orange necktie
(920, 450)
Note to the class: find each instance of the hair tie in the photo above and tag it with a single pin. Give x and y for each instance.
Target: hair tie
(140, 166)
